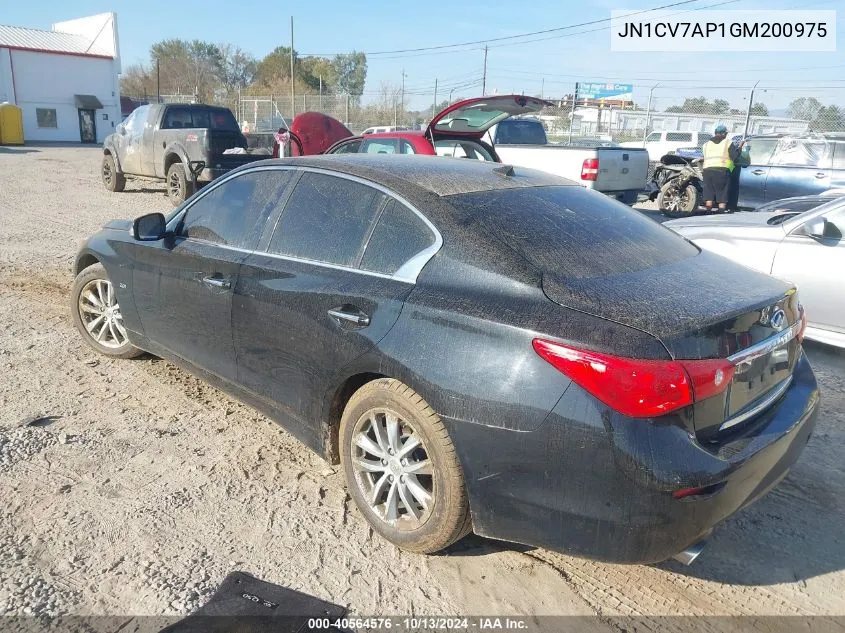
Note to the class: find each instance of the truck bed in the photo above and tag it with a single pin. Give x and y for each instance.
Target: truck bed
(621, 170)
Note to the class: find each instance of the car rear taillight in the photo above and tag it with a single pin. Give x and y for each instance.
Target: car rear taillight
(590, 169)
(638, 388)
(803, 328)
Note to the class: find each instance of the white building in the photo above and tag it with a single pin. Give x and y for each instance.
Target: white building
(65, 80)
(633, 122)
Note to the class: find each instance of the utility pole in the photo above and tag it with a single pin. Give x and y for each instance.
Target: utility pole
(158, 81)
(434, 107)
(542, 86)
(484, 78)
(292, 88)
(648, 112)
(748, 114)
(403, 98)
(451, 90)
(572, 112)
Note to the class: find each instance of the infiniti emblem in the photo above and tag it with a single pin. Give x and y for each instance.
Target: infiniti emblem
(778, 319)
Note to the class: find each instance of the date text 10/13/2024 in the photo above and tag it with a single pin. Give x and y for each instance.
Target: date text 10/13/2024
(420, 623)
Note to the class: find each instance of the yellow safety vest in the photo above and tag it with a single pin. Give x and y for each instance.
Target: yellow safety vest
(718, 155)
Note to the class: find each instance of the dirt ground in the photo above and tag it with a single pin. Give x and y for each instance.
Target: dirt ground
(139, 487)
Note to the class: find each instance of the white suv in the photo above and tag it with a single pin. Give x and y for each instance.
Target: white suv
(659, 144)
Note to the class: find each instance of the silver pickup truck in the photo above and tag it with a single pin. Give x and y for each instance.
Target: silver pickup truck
(619, 172)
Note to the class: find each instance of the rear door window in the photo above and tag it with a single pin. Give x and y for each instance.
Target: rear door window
(327, 219)
(350, 147)
(399, 235)
(235, 212)
(519, 132)
(802, 152)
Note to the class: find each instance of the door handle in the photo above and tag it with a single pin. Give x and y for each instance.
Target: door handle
(821, 174)
(758, 172)
(217, 282)
(356, 318)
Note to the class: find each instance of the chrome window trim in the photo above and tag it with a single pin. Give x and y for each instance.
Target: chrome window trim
(766, 346)
(407, 273)
(767, 401)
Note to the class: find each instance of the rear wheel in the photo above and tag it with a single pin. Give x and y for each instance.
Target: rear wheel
(179, 188)
(112, 180)
(401, 468)
(677, 202)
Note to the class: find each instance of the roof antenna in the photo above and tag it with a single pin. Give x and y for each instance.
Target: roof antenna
(505, 171)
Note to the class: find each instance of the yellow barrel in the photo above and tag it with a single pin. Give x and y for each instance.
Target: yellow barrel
(11, 124)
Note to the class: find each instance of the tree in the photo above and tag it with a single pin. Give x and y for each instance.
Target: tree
(351, 72)
(829, 119)
(759, 109)
(274, 66)
(804, 108)
(312, 69)
(238, 67)
(720, 106)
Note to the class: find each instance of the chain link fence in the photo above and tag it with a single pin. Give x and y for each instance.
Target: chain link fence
(653, 110)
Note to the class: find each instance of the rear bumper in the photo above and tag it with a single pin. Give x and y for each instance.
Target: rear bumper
(593, 483)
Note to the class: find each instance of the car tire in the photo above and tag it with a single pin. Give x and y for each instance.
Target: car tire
(112, 179)
(97, 316)
(677, 204)
(179, 188)
(386, 470)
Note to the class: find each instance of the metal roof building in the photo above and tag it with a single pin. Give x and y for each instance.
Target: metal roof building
(66, 80)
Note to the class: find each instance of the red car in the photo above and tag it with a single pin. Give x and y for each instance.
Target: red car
(456, 131)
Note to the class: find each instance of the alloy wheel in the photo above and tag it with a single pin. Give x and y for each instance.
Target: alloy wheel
(392, 469)
(107, 173)
(174, 187)
(101, 315)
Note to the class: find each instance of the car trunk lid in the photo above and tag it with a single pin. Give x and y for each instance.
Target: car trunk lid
(471, 118)
(703, 307)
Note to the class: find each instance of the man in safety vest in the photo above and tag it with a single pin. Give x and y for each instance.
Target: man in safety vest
(720, 154)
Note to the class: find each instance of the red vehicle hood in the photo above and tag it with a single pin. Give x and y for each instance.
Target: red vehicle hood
(317, 132)
(473, 117)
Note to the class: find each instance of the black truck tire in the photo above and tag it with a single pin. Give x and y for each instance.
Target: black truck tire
(112, 179)
(179, 186)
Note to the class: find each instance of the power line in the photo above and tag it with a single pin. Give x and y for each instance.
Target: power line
(511, 37)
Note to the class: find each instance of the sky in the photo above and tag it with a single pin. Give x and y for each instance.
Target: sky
(550, 64)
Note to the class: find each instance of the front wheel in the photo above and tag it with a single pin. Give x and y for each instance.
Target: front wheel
(401, 468)
(97, 315)
(112, 179)
(677, 202)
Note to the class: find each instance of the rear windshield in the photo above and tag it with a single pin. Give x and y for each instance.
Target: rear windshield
(571, 232)
(520, 132)
(212, 118)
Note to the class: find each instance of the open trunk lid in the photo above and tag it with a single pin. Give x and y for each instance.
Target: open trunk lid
(703, 307)
(471, 118)
(316, 132)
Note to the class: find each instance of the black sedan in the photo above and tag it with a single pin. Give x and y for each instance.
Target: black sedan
(481, 347)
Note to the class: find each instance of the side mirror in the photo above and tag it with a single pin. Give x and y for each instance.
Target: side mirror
(814, 228)
(149, 228)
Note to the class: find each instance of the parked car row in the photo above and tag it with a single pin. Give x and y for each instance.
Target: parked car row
(482, 347)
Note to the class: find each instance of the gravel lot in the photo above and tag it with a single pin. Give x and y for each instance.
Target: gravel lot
(130, 487)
